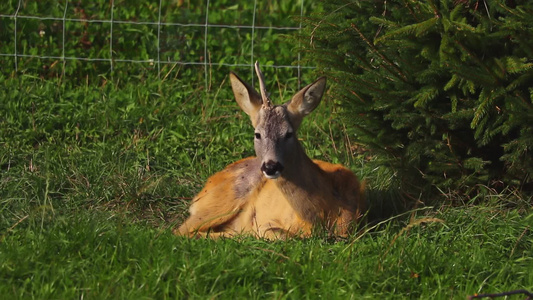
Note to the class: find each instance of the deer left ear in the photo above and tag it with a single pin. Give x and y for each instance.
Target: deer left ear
(306, 100)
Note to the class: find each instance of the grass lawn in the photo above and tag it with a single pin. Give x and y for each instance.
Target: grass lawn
(94, 176)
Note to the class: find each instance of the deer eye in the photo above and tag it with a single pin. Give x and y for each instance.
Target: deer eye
(288, 135)
(257, 135)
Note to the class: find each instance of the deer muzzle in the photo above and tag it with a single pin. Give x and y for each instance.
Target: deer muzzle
(271, 169)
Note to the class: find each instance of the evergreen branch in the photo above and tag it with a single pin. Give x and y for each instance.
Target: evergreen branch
(383, 22)
(424, 96)
(348, 82)
(487, 97)
(470, 77)
(435, 9)
(335, 79)
(451, 83)
(463, 27)
(509, 10)
(516, 65)
(454, 101)
(529, 105)
(478, 61)
(365, 66)
(411, 12)
(525, 43)
(320, 22)
(514, 87)
(399, 74)
(419, 29)
(363, 63)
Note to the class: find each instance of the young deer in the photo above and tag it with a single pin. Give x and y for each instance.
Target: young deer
(281, 192)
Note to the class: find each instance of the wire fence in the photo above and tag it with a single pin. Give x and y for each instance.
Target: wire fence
(151, 33)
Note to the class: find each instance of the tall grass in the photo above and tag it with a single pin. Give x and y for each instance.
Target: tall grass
(94, 176)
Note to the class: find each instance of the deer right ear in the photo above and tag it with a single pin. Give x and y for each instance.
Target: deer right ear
(247, 98)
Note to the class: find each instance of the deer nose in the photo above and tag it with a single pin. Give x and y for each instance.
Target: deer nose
(272, 169)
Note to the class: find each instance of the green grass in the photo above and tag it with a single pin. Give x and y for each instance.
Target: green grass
(93, 255)
(94, 176)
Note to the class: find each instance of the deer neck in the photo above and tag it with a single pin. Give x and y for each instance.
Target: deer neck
(304, 185)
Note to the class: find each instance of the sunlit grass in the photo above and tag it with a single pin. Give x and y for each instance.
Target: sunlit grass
(94, 177)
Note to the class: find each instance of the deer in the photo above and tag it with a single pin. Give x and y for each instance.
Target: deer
(281, 192)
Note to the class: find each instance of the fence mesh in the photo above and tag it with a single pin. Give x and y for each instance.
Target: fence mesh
(84, 36)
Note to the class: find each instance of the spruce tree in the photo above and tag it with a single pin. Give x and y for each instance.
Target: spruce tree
(439, 92)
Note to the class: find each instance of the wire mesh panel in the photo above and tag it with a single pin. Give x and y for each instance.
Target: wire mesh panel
(87, 37)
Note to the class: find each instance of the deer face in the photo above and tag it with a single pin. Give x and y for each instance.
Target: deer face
(275, 127)
(274, 140)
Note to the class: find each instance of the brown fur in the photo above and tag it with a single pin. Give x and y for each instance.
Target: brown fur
(265, 211)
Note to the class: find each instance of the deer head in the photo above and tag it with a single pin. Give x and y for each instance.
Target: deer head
(275, 140)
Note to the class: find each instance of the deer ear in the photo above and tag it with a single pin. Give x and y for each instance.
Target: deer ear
(306, 100)
(247, 98)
